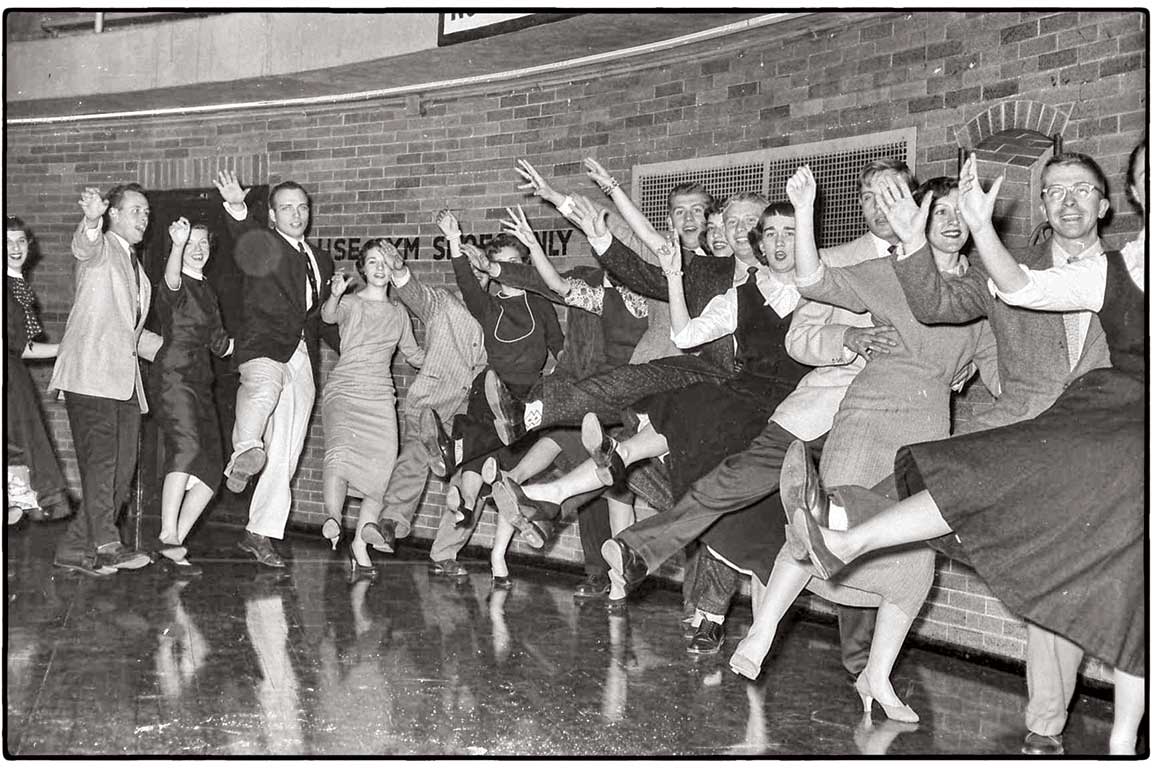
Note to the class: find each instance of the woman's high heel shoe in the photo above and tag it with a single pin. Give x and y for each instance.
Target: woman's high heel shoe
(331, 531)
(602, 448)
(531, 517)
(898, 711)
(804, 532)
(359, 571)
(454, 501)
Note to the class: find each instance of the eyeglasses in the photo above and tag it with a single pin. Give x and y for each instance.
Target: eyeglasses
(1057, 192)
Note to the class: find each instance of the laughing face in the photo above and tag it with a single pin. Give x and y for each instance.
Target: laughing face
(778, 243)
(1074, 217)
(130, 218)
(290, 212)
(17, 249)
(947, 231)
(687, 212)
(739, 219)
(717, 243)
(375, 270)
(198, 250)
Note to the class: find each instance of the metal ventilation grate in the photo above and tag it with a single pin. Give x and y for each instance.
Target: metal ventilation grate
(834, 163)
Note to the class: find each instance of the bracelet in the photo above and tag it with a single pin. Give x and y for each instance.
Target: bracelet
(610, 187)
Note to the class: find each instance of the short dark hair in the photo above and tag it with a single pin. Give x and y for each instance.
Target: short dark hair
(504, 240)
(691, 188)
(211, 234)
(377, 243)
(1082, 160)
(939, 186)
(881, 165)
(116, 194)
(756, 234)
(1130, 174)
(712, 210)
(14, 223)
(287, 185)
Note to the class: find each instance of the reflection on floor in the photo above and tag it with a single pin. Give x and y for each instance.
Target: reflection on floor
(251, 661)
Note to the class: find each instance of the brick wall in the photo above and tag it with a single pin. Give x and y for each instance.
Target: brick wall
(384, 168)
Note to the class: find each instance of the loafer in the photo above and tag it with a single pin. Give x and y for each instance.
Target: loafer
(529, 516)
(118, 556)
(449, 568)
(594, 585)
(507, 410)
(83, 564)
(602, 449)
(260, 547)
(438, 443)
(624, 563)
(1039, 744)
(708, 639)
(245, 465)
(381, 537)
(800, 484)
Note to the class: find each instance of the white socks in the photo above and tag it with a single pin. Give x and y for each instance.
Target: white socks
(533, 414)
(837, 517)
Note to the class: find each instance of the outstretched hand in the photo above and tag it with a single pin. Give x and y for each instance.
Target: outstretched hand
(476, 257)
(669, 254)
(391, 256)
(340, 283)
(179, 231)
(976, 205)
(596, 172)
(908, 220)
(93, 203)
(801, 188)
(447, 223)
(592, 221)
(518, 227)
(535, 183)
(229, 186)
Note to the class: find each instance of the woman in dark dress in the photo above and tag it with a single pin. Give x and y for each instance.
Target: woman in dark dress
(1050, 510)
(35, 482)
(182, 380)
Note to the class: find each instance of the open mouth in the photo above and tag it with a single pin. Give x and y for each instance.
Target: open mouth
(950, 233)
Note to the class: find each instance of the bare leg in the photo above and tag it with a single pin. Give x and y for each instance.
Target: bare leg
(916, 518)
(370, 510)
(335, 493)
(892, 626)
(195, 500)
(645, 444)
(1128, 711)
(171, 498)
(621, 514)
(538, 458)
(771, 602)
(470, 483)
(500, 542)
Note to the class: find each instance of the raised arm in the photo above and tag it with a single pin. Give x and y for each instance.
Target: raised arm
(626, 267)
(419, 298)
(413, 353)
(237, 220)
(86, 242)
(474, 295)
(330, 311)
(178, 232)
(632, 216)
(517, 225)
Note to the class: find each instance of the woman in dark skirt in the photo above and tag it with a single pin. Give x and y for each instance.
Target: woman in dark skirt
(35, 482)
(182, 380)
(1050, 510)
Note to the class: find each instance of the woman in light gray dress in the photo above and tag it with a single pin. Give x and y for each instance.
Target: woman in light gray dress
(358, 405)
(901, 396)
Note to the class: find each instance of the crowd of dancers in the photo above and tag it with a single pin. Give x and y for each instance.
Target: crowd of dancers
(725, 388)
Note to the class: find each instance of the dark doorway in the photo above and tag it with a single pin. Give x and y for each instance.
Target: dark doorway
(198, 206)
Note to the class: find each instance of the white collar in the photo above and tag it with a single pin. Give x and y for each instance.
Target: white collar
(294, 242)
(194, 275)
(880, 245)
(122, 241)
(13, 272)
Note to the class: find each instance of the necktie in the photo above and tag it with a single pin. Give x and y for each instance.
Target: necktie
(1072, 330)
(136, 270)
(892, 249)
(314, 292)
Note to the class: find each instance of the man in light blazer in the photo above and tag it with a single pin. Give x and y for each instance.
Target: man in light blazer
(277, 353)
(837, 343)
(1038, 355)
(98, 374)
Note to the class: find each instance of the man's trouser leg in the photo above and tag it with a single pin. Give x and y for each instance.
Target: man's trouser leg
(595, 529)
(409, 477)
(1053, 662)
(741, 479)
(450, 539)
(607, 395)
(716, 584)
(104, 433)
(283, 442)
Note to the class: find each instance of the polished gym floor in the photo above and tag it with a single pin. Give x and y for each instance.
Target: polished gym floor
(306, 661)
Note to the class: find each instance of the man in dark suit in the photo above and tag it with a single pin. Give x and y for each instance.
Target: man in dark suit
(277, 353)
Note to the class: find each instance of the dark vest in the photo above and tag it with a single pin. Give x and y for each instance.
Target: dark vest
(622, 330)
(1123, 318)
(760, 333)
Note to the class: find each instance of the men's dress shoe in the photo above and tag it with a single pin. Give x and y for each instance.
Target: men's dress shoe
(184, 569)
(526, 515)
(121, 558)
(594, 585)
(244, 467)
(438, 443)
(449, 568)
(506, 408)
(83, 564)
(260, 547)
(602, 448)
(501, 582)
(708, 638)
(1039, 744)
(628, 565)
(381, 537)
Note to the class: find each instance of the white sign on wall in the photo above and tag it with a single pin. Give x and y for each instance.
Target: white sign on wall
(459, 26)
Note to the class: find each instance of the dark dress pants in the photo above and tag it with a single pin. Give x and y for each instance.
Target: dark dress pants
(595, 529)
(105, 434)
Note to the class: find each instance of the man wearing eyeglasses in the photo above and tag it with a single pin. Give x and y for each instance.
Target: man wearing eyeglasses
(1038, 354)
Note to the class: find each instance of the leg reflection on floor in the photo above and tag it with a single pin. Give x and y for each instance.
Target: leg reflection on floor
(247, 661)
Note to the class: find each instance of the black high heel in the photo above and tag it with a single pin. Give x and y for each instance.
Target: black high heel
(359, 571)
(602, 449)
(331, 531)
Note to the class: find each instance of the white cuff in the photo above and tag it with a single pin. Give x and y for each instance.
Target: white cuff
(567, 206)
(1020, 292)
(242, 216)
(812, 279)
(599, 243)
(401, 278)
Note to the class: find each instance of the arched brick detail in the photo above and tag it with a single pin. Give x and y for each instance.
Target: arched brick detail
(1018, 114)
(1014, 146)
